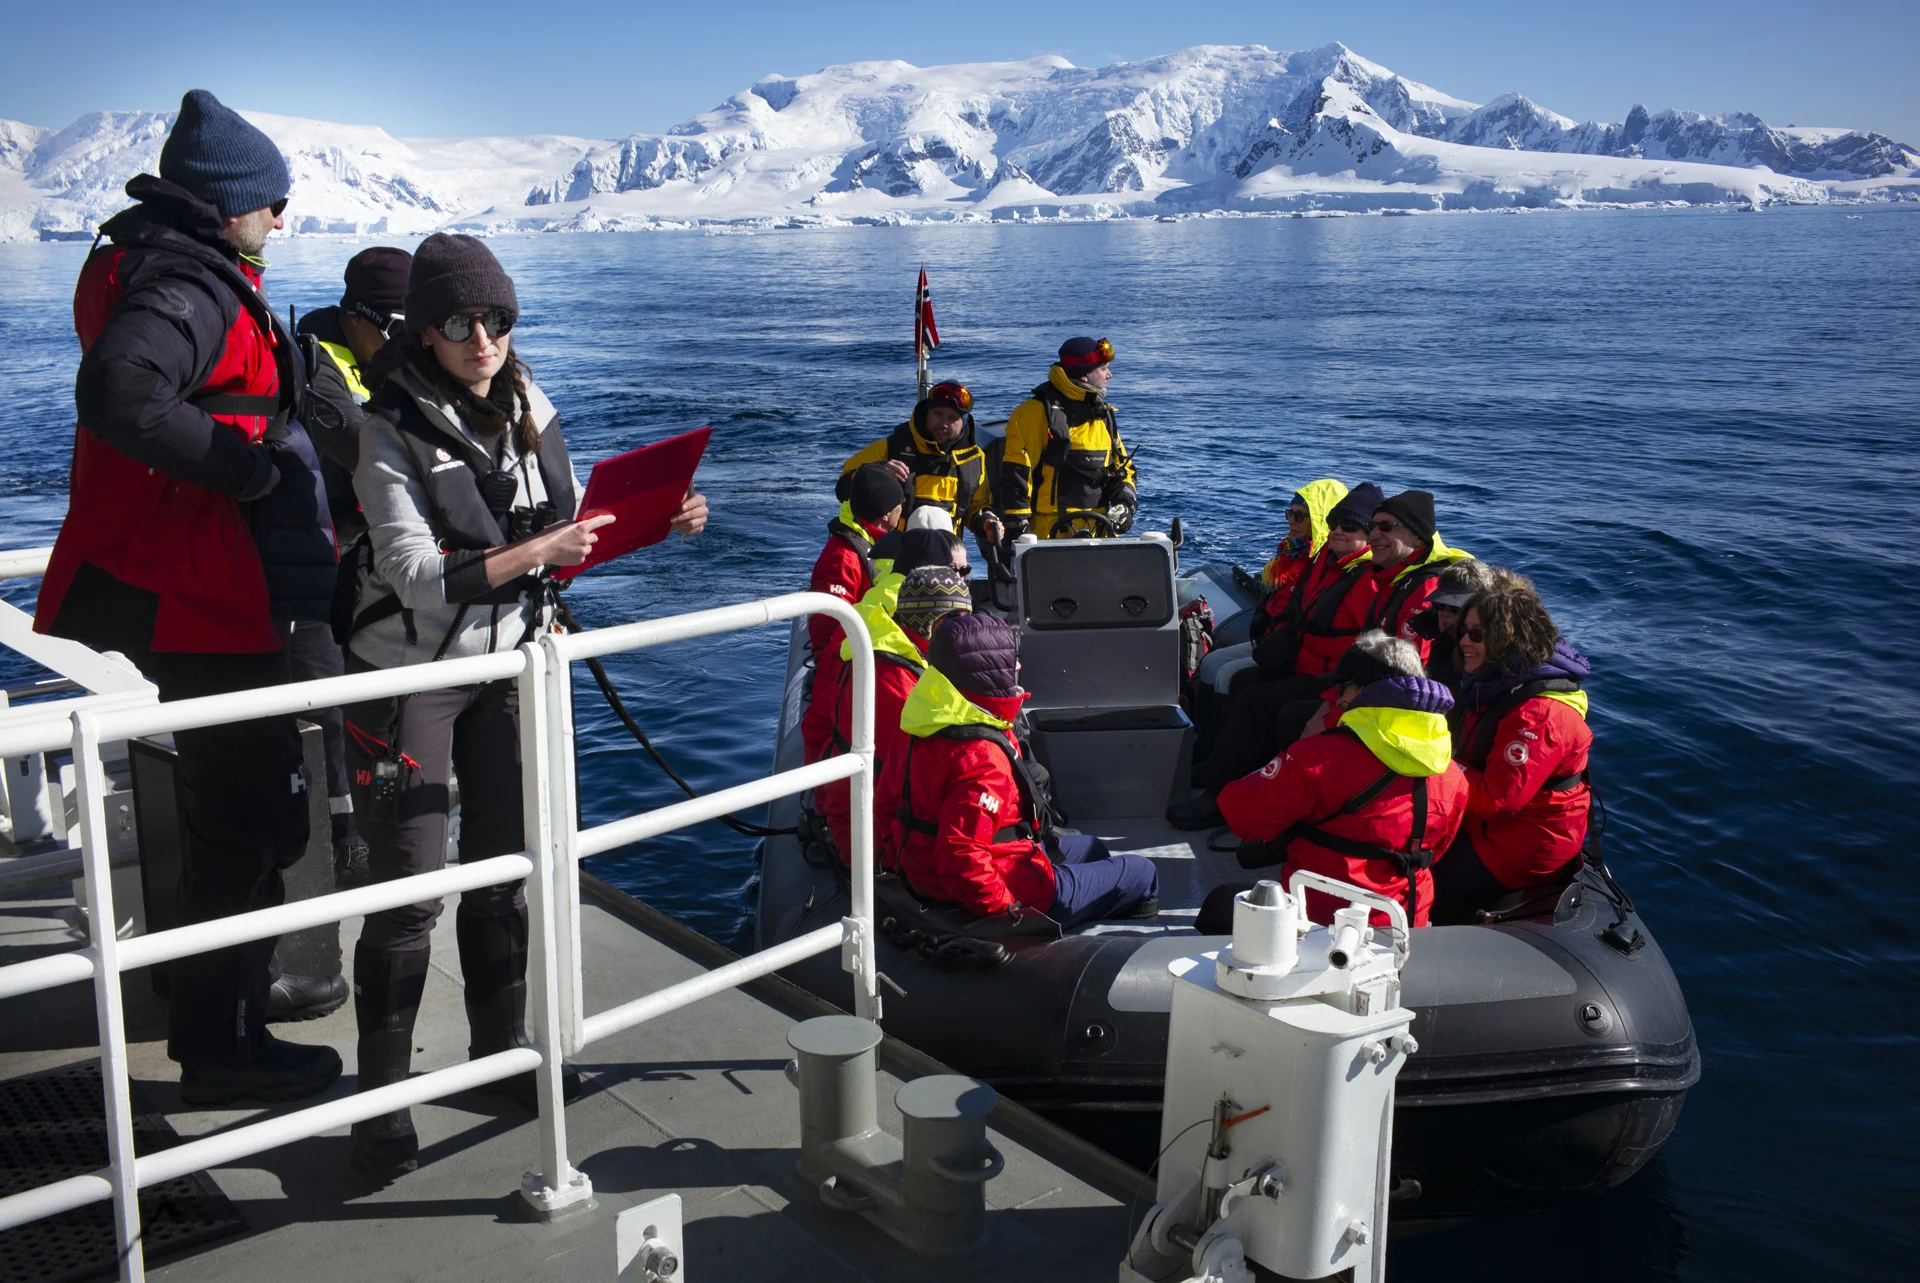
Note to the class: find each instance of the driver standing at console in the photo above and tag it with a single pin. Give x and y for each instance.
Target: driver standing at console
(935, 456)
(1066, 472)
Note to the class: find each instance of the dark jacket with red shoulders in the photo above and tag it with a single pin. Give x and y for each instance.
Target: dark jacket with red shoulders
(1524, 744)
(964, 825)
(1356, 783)
(157, 551)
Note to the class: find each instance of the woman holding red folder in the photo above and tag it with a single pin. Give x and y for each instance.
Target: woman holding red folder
(468, 493)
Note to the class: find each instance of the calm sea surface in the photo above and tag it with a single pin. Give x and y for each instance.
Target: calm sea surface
(1697, 431)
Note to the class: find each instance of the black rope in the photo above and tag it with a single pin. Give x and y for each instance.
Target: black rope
(744, 827)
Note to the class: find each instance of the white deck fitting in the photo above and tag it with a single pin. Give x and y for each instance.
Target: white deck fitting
(694, 1103)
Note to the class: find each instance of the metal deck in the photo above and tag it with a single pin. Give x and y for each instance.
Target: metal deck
(694, 1102)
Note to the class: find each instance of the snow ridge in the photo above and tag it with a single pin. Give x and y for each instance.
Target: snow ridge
(1209, 129)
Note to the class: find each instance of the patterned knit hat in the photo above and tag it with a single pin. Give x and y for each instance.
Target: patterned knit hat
(929, 595)
(214, 153)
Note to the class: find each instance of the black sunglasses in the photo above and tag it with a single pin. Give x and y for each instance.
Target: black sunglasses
(1350, 527)
(458, 328)
(279, 207)
(1475, 634)
(1387, 527)
(381, 321)
(1296, 514)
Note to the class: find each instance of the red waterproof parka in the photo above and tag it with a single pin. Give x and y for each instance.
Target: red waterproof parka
(1527, 808)
(894, 679)
(157, 509)
(1402, 591)
(844, 569)
(1318, 776)
(965, 843)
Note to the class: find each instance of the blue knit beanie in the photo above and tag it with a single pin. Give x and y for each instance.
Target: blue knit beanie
(215, 154)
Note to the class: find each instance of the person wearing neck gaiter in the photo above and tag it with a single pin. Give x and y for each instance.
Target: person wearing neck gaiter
(469, 495)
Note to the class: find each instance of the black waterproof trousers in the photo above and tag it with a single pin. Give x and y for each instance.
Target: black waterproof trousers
(1261, 723)
(313, 654)
(246, 814)
(471, 731)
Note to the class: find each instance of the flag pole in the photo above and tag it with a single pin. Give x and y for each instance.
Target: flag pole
(921, 310)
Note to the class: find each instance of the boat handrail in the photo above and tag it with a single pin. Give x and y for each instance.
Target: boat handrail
(557, 1024)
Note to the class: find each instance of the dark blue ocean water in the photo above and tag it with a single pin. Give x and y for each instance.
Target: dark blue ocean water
(1697, 431)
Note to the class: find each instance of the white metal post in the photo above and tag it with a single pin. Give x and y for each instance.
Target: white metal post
(858, 956)
(566, 845)
(101, 926)
(556, 1184)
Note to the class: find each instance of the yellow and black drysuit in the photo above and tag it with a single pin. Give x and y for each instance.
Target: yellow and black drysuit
(1064, 457)
(952, 478)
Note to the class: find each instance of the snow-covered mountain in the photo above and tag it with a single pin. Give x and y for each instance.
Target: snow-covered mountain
(1213, 128)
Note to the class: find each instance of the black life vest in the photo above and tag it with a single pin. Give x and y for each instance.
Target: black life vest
(1477, 747)
(945, 477)
(1079, 476)
(449, 468)
(1406, 861)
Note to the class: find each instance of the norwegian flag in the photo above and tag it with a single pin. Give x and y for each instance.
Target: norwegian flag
(925, 336)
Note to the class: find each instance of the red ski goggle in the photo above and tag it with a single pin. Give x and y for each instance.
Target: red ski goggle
(954, 394)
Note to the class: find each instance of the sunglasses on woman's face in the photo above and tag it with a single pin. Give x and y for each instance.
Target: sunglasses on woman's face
(1350, 527)
(458, 328)
(1296, 514)
(1475, 634)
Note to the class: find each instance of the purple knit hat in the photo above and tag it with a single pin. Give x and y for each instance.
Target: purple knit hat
(1415, 694)
(977, 653)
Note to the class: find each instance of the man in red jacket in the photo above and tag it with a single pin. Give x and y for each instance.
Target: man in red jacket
(845, 570)
(183, 393)
(927, 595)
(1371, 802)
(967, 806)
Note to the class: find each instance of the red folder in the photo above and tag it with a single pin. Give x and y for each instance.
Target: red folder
(642, 489)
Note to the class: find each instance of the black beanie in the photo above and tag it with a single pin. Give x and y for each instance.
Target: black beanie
(875, 490)
(377, 277)
(1358, 505)
(978, 654)
(1412, 509)
(453, 273)
(214, 153)
(1080, 357)
(919, 548)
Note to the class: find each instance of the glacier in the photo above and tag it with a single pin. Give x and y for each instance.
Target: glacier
(1214, 129)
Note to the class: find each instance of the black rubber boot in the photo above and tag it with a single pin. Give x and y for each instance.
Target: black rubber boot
(493, 963)
(295, 998)
(386, 999)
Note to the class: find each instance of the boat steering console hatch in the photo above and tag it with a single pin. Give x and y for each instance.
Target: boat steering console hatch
(1555, 1050)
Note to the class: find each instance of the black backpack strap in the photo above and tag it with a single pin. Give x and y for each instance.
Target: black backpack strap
(1406, 862)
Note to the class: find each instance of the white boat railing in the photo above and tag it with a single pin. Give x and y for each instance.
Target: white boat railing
(557, 1025)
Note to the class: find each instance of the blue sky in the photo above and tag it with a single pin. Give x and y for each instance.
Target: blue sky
(607, 69)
